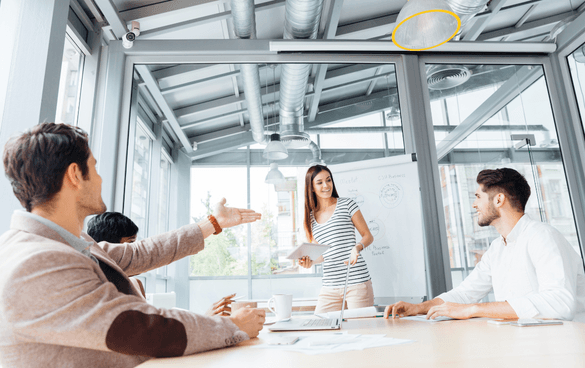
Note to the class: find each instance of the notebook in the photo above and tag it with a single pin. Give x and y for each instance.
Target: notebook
(314, 323)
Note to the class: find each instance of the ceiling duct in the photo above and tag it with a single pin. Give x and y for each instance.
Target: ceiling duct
(316, 151)
(559, 27)
(579, 55)
(466, 9)
(301, 21)
(441, 77)
(244, 19)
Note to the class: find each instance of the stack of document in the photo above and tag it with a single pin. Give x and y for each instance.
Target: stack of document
(325, 343)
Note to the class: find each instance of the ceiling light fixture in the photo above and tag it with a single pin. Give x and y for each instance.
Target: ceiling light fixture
(425, 24)
(275, 150)
(274, 176)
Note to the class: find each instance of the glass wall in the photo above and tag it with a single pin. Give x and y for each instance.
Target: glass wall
(358, 118)
(487, 117)
(69, 84)
(141, 180)
(577, 67)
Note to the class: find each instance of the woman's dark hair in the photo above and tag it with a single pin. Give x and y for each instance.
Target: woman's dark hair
(311, 203)
(507, 181)
(111, 227)
(35, 161)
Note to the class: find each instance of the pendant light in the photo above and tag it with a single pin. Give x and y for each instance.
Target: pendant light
(274, 176)
(425, 24)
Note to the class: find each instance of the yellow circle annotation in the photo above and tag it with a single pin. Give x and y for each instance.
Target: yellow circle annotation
(423, 12)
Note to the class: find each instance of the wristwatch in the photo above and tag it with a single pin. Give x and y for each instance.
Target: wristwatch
(215, 224)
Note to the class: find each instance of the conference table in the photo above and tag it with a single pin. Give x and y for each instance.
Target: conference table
(467, 343)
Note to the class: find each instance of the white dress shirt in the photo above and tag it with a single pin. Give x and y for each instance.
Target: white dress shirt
(536, 271)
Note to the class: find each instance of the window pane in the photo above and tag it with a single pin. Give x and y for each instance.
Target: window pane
(225, 254)
(577, 66)
(494, 110)
(281, 227)
(141, 181)
(69, 84)
(163, 197)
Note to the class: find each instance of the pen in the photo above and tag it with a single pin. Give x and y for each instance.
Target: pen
(238, 297)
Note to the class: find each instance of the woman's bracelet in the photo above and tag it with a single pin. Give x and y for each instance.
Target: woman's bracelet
(362, 244)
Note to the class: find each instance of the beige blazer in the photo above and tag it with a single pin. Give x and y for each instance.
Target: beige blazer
(58, 308)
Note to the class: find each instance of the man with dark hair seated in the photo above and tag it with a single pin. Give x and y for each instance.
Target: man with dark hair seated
(112, 227)
(66, 301)
(532, 269)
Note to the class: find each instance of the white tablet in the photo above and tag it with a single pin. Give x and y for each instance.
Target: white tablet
(308, 249)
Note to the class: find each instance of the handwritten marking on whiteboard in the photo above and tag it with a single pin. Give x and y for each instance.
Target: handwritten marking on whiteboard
(390, 176)
(374, 228)
(391, 195)
(350, 180)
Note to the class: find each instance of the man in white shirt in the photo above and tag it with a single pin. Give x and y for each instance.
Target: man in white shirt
(532, 269)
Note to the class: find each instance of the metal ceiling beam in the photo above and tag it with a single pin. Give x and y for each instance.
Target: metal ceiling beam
(218, 104)
(333, 112)
(526, 16)
(214, 147)
(330, 30)
(480, 24)
(367, 29)
(198, 81)
(148, 97)
(78, 10)
(113, 17)
(531, 28)
(526, 76)
(183, 114)
(160, 8)
(152, 86)
(383, 26)
(242, 110)
(437, 128)
(178, 72)
(281, 46)
(149, 33)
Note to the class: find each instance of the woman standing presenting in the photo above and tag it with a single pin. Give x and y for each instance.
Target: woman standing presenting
(332, 221)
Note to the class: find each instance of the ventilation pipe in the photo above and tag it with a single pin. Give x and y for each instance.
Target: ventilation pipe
(316, 151)
(301, 21)
(466, 9)
(244, 19)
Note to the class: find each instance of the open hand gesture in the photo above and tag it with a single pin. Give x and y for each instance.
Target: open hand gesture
(229, 216)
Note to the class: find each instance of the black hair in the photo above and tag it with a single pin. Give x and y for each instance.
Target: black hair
(111, 227)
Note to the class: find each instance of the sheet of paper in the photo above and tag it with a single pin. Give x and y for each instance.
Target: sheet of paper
(354, 313)
(423, 318)
(325, 343)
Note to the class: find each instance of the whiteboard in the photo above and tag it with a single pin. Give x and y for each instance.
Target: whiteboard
(387, 191)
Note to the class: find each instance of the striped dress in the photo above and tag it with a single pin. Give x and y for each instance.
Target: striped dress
(339, 233)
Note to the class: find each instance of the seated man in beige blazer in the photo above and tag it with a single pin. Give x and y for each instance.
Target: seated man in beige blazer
(66, 301)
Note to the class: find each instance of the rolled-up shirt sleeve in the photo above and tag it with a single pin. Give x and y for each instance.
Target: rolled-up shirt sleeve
(475, 286)
(557, 286)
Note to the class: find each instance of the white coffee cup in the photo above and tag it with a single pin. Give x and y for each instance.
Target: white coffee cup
(282, 305)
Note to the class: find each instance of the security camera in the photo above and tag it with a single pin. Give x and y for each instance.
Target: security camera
(128, 38)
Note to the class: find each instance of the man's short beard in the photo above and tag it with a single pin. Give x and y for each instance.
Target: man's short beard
(489, 217)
